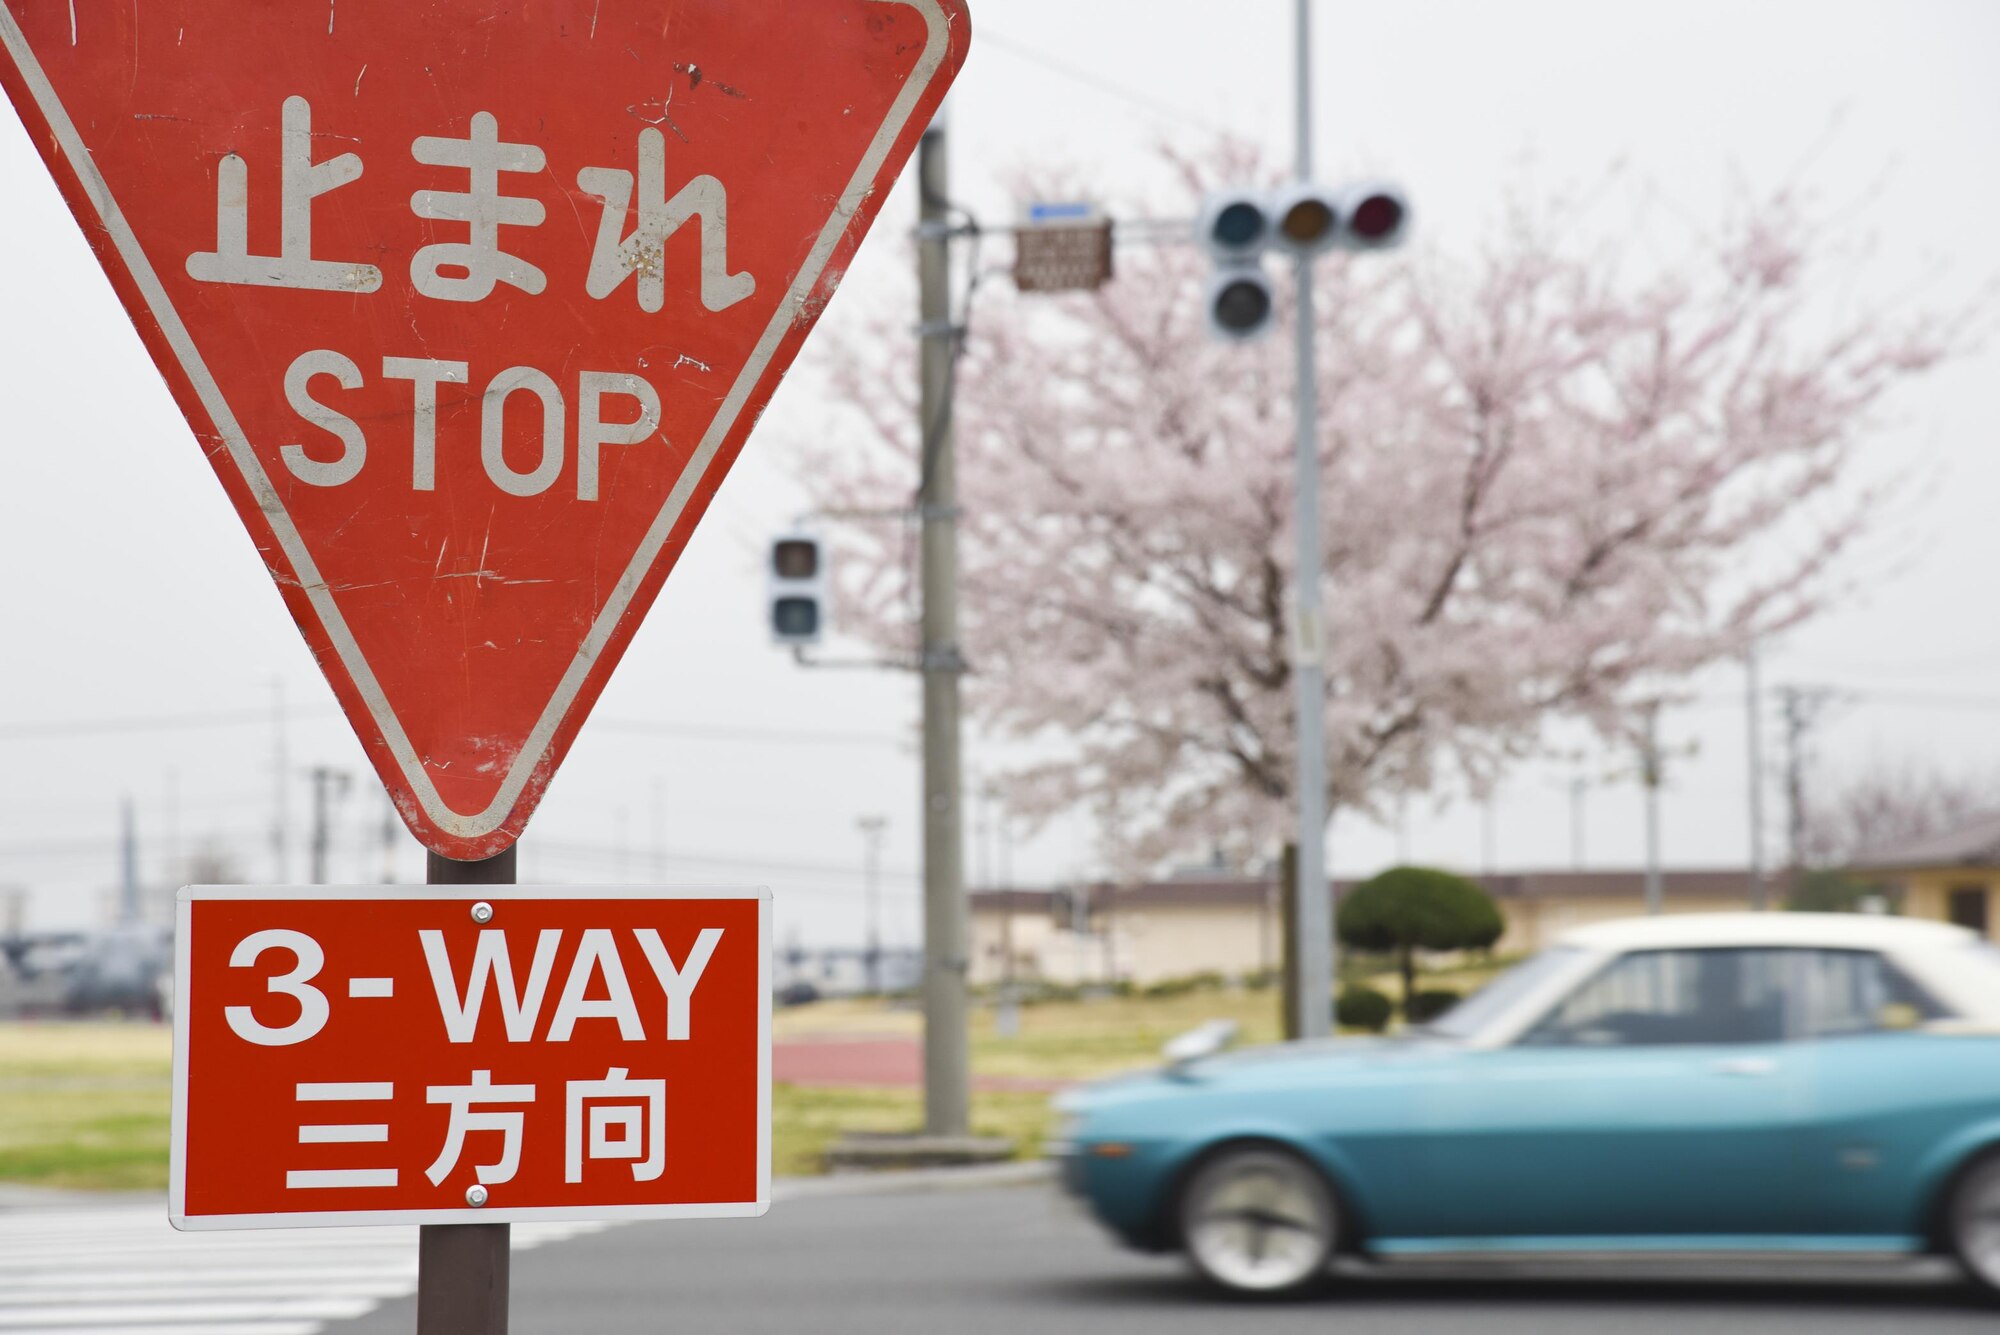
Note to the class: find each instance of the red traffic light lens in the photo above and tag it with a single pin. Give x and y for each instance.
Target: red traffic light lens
(795, 558)
(1308, 222)
(1377, 218)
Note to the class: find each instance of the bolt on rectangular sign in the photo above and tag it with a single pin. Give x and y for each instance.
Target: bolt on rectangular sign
(485, 1054)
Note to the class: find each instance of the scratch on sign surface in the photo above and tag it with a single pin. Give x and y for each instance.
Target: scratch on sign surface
(593, 18)
(72, 22)
(358, 78)
(329, 17)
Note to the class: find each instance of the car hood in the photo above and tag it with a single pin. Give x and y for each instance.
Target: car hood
(1274, 1066)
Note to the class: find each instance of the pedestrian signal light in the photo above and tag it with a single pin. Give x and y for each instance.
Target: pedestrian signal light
(797, 596)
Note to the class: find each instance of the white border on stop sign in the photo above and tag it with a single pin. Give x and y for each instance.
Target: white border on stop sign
(471, 894)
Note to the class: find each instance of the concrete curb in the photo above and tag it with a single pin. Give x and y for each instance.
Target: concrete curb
(922, 1179)
(15, 1199)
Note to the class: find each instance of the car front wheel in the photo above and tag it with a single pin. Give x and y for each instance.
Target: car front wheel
(1261, 1220)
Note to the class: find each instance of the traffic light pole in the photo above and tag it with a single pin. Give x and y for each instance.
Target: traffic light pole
(462, 1269)
(947, 1068)
(1313, 913)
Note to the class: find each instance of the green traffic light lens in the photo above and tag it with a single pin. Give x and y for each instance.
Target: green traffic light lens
(795, 618)
(1240, 226)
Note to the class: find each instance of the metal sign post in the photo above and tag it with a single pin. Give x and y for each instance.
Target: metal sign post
(463, 1270)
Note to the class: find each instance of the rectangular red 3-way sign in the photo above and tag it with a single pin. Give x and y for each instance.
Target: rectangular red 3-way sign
(486, 1054)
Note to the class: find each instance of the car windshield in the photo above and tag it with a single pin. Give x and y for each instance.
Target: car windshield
(1477, 1011)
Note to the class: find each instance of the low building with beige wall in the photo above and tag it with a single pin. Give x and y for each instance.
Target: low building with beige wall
(1147, 932)
(1949, 877)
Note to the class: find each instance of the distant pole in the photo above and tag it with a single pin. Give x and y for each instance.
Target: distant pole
(281, 778)
(947, 1060)
(1579, 791)
(659, 831)
(1801, 709)
(1760, 889)
(871, 835)
(1650, 769)
(389, 824)
(328, 786)
(1313, 1000)
(128, 870)
(170, 831)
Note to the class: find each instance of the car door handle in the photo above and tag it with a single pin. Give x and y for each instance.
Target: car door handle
(1745, 1066)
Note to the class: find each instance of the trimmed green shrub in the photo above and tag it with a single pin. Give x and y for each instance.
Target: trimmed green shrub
(1425, 1006)
(1407, 909)
(1364, 1008)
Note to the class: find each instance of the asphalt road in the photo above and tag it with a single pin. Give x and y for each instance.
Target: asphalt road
(1016, 1260)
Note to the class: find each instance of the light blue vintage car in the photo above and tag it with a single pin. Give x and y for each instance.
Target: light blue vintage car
(1740, 1083)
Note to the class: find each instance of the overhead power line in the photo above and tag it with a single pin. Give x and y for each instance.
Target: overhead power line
(1023, 51)
(149, 723)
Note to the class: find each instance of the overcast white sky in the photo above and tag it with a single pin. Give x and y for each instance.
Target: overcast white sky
(131, 591)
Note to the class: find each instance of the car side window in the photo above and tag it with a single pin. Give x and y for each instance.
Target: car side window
(1861, 992)
(1651, 998)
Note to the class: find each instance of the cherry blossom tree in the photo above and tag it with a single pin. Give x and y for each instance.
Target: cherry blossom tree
(1554, 486)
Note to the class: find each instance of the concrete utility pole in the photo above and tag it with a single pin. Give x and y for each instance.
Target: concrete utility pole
(1579, 792)
(871, 834)
(1760, 886)
(328, 786)
(1802, 709)
(1314, 913)
(1649, 768)
(947, 1064)
(281, 778)
(128, 870)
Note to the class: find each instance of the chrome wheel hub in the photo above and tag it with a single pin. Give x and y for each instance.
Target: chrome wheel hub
(1258, 1223)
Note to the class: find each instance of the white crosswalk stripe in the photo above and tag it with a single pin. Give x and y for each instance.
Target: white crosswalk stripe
(123, 1270)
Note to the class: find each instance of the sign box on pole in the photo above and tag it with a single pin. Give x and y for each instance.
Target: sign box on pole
(472, 306)
(494, 1054)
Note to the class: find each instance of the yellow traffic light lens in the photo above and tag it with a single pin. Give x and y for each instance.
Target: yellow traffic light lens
(1308, 222)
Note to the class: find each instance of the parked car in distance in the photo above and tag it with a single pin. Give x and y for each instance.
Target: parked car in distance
(1699, 1084)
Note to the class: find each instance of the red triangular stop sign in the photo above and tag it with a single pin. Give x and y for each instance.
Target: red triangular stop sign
(473, 305)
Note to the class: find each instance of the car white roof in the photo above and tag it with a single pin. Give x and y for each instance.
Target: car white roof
(1827, 931)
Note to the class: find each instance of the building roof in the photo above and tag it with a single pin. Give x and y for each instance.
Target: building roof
(1255, 891)
(1828, 931)
(1974, 844)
